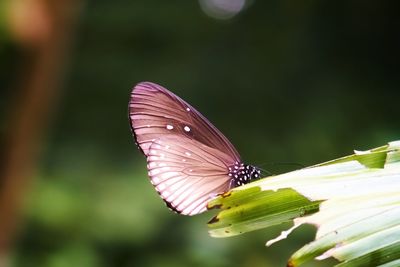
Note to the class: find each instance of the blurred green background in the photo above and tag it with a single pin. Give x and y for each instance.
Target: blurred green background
(285, 81)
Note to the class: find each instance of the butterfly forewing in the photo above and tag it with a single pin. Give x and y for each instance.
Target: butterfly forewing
(186, 174)
(154, 112)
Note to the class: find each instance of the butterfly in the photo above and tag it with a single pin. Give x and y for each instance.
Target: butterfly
(189, 160)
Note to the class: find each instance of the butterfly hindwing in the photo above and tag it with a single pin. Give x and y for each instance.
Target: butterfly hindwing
(186, 173)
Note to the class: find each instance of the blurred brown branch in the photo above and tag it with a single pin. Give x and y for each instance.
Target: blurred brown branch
(43, 30)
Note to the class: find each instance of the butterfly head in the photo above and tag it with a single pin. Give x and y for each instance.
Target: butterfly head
(241, 174)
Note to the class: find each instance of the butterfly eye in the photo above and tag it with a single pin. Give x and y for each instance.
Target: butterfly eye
(189, 160)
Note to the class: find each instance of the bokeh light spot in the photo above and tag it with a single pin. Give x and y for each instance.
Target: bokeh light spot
(222, 9)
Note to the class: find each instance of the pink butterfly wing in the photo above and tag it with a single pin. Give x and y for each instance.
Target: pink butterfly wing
(154, 112)
(188, 158)
(186, 174)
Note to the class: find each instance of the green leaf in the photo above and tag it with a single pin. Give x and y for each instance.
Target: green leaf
(353, 201)
(255, 209)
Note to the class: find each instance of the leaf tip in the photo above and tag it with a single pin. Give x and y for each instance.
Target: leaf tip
(214, 206)
(290, 263)
(213, 220)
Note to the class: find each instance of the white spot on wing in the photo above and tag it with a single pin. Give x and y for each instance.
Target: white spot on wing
(154, 172)
(194, 205)
(186, 128)
(161, 187)
(181, 206)
(176, 186)
(165, 194)
(187, 109)
(167, 175)
(151, 165)
(170, 127)
(186, 203)
(188, 154)
(165, 169)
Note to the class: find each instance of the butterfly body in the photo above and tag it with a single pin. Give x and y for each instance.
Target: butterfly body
(189, 160)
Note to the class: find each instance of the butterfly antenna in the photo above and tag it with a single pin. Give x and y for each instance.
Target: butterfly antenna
(283, 163)
(265, 172)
